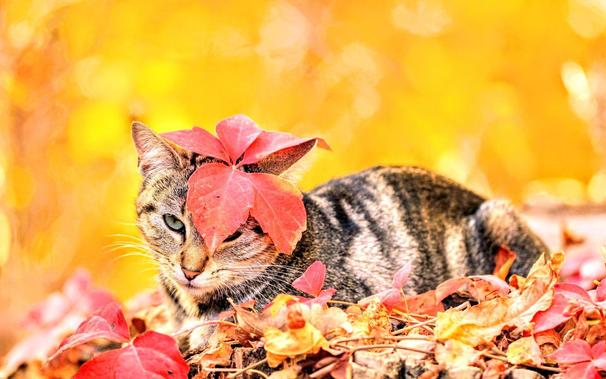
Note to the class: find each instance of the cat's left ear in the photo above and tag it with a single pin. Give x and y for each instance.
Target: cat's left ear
(155, 153)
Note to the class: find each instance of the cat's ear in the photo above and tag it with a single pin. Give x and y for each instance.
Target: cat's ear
(155, 153)
(283, 162)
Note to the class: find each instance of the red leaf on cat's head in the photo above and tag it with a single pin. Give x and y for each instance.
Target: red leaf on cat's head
(237, 133)
(312, 280)
(220, 197)
(199, 141)
(107, 323)
(271, 142)
(151, 355)
(279, 209)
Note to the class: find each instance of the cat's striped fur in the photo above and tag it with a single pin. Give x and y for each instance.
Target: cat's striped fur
(363, 227)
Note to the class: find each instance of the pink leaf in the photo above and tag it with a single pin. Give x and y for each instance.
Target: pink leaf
(572, 352)
(237, 133)
(572, 291)
(199, 141)
(601, 291)
(271, 142)
(151, 355)
(598, 349)
(108, 323)
(312, 280)
(322, 298)
(392, 298)
(279, 209)
(584, 370)
(219, 198)
(553, 316)
(401, 276)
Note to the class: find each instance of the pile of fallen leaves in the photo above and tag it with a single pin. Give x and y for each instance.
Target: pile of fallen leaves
(492, 326)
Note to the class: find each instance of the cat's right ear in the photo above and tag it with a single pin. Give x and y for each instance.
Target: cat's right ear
(155, 153)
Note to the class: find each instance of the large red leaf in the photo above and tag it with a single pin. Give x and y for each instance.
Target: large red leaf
(237, 133)
(270, 142)
(199, 141)
(151, 355)
(108, 323)
(220, 198)
(312, 280)
(278, 207)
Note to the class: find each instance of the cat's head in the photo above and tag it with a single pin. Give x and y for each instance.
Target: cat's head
(186, 264)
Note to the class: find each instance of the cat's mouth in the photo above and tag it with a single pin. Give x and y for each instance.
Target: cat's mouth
(195, 287)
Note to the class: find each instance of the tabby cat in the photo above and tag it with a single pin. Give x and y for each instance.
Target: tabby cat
(363, 227)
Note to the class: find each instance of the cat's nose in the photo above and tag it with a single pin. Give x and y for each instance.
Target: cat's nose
(190, 275)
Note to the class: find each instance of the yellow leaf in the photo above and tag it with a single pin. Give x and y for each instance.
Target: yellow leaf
(524, 351)
(280, 345)
(454, 354)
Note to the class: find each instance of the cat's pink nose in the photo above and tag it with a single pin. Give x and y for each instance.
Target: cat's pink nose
(190, 275)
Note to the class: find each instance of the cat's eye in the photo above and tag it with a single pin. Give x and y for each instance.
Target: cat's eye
(233, 236)
(173, 223)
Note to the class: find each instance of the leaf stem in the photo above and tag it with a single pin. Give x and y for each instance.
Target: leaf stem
(251, 366)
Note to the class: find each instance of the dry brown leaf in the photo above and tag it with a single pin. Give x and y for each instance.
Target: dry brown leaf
(481, 323)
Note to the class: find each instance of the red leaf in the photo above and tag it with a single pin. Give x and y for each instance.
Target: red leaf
(279, 209)
(270, 142)
(107, 323)
(504, 261)
(312, 280)
(199, 141)
(553, 316)
(572, 352)
(151, 355)
(401, 276)
(237, 133)
(220, 197)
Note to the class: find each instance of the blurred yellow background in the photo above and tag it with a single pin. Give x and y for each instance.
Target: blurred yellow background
(505, 96)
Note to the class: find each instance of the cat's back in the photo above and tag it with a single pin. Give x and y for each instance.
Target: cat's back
(372, 222)
(411, 190)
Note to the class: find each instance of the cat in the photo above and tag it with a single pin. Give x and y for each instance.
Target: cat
(363, 227)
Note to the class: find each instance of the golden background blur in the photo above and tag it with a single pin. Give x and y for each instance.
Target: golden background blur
(505, 96)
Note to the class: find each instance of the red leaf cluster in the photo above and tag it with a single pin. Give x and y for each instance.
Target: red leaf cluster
(149, 355)
(222, 195)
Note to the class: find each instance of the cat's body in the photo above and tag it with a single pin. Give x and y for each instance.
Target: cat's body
(364, 227)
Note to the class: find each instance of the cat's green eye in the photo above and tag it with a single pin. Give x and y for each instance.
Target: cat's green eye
(173, 223)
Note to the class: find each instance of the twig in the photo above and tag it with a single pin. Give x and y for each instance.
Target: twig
(205, 323)
(410, 327)
(258, 372)
(323, 371)
(251, 366)
(383, 346)
(401, 338)
(342, 302)
(504, 359)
